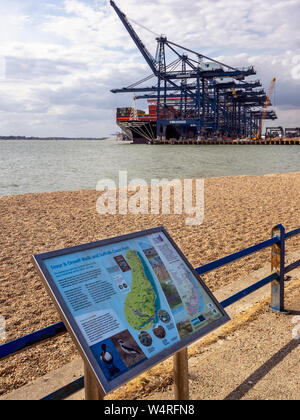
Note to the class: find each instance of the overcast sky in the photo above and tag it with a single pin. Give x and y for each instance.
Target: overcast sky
(59, 59)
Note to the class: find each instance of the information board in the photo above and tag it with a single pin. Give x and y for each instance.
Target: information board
(129, 302)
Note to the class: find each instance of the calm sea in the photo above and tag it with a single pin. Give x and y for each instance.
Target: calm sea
(43, 166)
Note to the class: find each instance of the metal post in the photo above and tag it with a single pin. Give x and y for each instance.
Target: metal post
(203, 104)
(198, 99)
(180, 361)
(214, 110)
(92, 389)
(278, 265)
(217, 108)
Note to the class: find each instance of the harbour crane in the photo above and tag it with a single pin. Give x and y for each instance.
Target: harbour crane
(200, 87)
(265, 108)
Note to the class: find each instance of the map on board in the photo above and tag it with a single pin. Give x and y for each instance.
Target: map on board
(139, 305)
(132, 300)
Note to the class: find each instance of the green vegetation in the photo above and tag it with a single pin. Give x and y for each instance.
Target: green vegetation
(139, 308)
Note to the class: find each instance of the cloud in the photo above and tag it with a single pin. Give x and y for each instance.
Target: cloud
(40, 68)
(63, 57)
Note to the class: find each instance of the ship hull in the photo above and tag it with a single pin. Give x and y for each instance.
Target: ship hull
(139, 132)
(142, 132)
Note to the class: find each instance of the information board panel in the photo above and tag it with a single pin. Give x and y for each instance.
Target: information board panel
(129, 302)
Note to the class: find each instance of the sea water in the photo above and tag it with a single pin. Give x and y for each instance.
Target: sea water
(33, 166)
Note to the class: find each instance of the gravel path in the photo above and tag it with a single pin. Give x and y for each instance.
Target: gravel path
(239, 212)
(259, 361)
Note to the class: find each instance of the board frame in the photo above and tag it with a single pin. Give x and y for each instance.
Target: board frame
(75, 332)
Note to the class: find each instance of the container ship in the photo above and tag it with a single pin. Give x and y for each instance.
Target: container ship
(140, 126)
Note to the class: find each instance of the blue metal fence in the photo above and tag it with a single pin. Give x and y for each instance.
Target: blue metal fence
(277, 294)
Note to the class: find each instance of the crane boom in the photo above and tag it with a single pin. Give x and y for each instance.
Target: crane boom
(146, 54)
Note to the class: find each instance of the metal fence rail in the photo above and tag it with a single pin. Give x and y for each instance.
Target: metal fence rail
(236, 256)
(276, 279)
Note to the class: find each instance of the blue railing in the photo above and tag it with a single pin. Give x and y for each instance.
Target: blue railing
(277, 296)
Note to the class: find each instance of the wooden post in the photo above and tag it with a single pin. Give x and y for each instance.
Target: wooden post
(278, 265)
(92, 389)
(181, 372)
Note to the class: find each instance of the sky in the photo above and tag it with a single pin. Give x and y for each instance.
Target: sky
(59, 59)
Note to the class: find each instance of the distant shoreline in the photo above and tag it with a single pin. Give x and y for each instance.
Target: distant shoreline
(51, 138)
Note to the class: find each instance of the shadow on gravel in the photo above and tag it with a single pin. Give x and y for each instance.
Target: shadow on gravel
(262, 371)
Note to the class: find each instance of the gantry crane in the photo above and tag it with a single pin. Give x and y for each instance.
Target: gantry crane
(200, 90)
(265, 109)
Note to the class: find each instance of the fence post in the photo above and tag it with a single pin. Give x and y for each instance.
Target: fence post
(181, 375)
(91, 387)
(278, 265)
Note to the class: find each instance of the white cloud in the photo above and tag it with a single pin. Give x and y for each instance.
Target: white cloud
(295, 68)
(63, 59)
